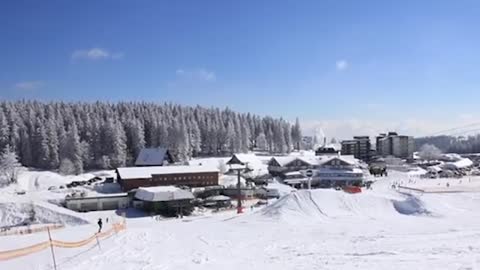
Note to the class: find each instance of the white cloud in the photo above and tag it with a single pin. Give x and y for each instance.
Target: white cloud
(28, 85)
(341, 65)
(96, 54)
(197, 74)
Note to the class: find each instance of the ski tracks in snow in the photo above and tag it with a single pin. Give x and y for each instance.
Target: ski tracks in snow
(128, 251)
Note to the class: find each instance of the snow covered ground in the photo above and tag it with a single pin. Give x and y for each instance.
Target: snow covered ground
(320, 229)
(16, 209)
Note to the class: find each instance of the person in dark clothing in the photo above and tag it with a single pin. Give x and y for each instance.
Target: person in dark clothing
(100, 223)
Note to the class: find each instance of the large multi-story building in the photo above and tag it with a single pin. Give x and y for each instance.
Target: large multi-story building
(359, 147)
(328, 170)
(192, 176)
(392, 144)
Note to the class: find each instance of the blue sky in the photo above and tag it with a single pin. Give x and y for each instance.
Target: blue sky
(343, 67)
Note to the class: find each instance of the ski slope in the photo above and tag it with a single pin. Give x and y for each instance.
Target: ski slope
(319, 229)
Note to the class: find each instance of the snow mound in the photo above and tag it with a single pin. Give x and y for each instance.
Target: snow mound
(282, 188)
(331, 204)
(297, 204)
(17, 214)
(411, 206)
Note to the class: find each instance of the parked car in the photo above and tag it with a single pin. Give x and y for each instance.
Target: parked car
(52, 188)
(74, 184)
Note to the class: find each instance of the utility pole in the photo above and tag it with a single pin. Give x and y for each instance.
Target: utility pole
(239, 194)
(239, 186)
(51, 249)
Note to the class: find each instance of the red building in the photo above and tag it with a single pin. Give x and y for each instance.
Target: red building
(192, 176)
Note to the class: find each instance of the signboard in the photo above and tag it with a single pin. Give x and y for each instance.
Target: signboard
(309, 173)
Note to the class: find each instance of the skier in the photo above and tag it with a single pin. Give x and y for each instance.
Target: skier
(107, 220)
(100, 223)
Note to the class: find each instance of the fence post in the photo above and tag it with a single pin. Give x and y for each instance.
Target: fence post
(51, 248)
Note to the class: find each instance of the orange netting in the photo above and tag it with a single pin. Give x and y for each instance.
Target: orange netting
(15, 253)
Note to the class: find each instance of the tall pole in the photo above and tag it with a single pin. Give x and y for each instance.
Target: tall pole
(239, 194)
(51, 248)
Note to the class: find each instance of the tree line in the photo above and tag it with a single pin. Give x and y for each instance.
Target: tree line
(77, 136)
(452, 144)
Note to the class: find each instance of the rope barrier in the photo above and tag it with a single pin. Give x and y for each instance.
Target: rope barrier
(15, 253)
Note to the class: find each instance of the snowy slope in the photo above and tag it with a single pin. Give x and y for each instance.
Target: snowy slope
(17, 213)
(319, 229)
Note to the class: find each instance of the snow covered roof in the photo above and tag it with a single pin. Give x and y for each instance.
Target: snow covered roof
(282, 161)
(462, 163)
(159, 194)
(153, 157)
(354, 170)
(147, 172)
(434, 169)
(295, 173)
(242, 159)
(315, 160)
(451, 157)
(97, 196)
(346, 158)
(218, 198)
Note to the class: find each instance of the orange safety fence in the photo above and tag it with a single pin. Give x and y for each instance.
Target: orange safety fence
(15, 253)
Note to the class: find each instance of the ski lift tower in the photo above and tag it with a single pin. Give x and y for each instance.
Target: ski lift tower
(238, 166)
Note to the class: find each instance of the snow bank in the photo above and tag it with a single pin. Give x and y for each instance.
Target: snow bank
(411, 206)
(16, 214)
(282, 188)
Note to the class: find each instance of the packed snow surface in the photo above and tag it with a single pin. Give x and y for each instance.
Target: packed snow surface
(382, 228)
